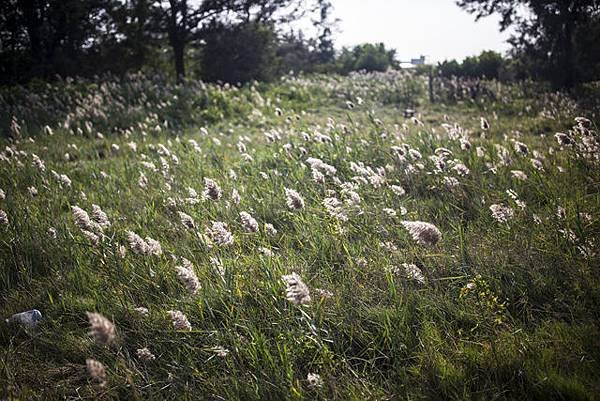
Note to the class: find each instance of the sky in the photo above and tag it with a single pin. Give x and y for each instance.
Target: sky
(438, 29)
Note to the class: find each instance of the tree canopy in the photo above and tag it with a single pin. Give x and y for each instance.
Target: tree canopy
(553, 38)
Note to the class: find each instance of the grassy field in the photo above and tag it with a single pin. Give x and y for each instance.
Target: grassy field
(496, 298)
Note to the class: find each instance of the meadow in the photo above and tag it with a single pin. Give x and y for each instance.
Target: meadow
(300, 240)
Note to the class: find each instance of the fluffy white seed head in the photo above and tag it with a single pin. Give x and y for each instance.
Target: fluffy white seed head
(102, 329)
(293, 199)
(398, 190)
(220, 351)
(219, 233)
(250, 224)
(270, 229)
(143, 247)
(179, 320)
(153, 247)
(186, 274)
(142, 310)
(3, 217)
(501, 213)
(96, 371)
(145, 355)
(186, 220)
(235, 196)
(314, 380)
(335, 208)
(100, 217)
(83, 221)
(519, 175)
(296, 292)
(413, 272)
(423, 233)
(211, 190)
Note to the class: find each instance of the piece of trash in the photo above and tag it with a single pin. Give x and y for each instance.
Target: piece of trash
(28, 319)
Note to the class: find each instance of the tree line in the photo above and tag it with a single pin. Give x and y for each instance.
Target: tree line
(216, 40)
(553, 40)
(241, 40)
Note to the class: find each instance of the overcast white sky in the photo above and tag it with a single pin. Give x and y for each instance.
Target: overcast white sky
(438, 29)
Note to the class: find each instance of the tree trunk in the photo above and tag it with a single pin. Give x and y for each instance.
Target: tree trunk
(568, 62)
(177, 35)
(178, 54)
(32, 11)
(431, 98)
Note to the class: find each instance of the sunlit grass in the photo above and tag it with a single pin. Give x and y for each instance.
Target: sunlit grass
(507, 310)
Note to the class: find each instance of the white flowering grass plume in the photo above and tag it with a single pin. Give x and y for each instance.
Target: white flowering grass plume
(398, 190)
(293, 199)
(143, 247)
(145, 355)
(3, 217)
(314, 380)
(220, 351)
(143, 311)
(485, 125)
(270, 229)
(153, 247)
(423, 233)
(179, 320)
(335, 208)
(97, 371)
(100, 217)
(186, 220)
(501, 213)
(413, 272)
(211, 190)
(248, 222)
(235, 196)
(219, 233)
(296, 292)
(187, 276)
(101, 329)
(84, 222)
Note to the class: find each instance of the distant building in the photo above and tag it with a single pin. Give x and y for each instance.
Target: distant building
(418, 61)
(414, 62)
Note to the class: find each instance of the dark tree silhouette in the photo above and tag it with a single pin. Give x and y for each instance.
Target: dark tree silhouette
(183, 22)
(546, 30)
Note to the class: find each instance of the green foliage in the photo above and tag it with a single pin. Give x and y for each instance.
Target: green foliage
(368, 57)
(239, 53)
(553, 38)
(487, 65)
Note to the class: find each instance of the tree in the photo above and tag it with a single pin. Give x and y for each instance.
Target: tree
(238, 53)
(180, 21)
(369, 57)
(132, 42)
(489, 64)
(47, 37)
(449, 69)
(547, 32)
(486, 65)
(294, 54)
(324, 52)
(183, 22)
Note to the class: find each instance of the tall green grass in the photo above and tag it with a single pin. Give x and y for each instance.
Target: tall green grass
(507, 311)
